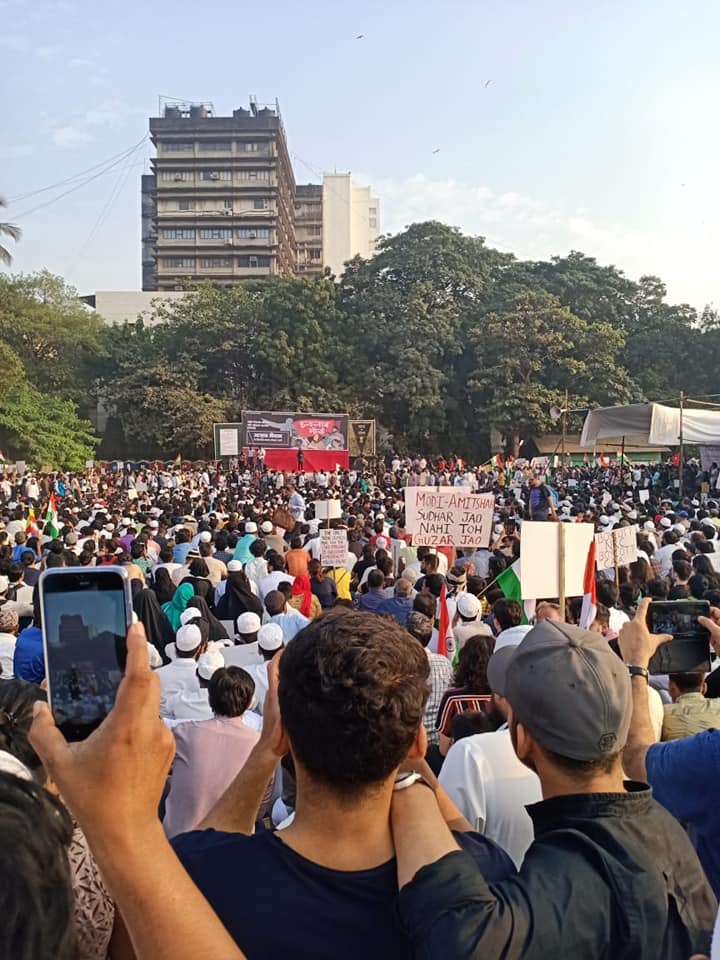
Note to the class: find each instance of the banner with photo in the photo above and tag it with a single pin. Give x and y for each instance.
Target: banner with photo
(362, 438)
(307, 431)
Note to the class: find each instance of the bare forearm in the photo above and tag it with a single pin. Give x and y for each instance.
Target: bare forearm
(237, 809)
(451, 814)
(178, 924)
(641, 735)
(420, 833)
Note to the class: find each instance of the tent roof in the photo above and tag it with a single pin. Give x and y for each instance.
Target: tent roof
(551, 443)
(650, 424)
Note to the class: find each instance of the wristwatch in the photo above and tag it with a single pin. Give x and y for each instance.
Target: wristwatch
(638, 672)
(407, 779)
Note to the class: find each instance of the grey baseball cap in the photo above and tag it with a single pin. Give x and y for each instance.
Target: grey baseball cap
(568, 688)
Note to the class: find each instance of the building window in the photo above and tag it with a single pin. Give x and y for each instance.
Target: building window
(175, 146)
(215, 233)
(246, 147)
(315, 231)
(373, 223)
(228, 204)
(215, 175)
(185, 205)
(314, 253)
(216, 263)
(185, 175)
(254, 233)
(372, 211)
(178, 233)
(261, 204)
(179, 263)
(253, 261)
(253, 175)
(214, 146)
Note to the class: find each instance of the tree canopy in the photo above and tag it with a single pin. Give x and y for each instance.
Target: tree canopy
(438, 336)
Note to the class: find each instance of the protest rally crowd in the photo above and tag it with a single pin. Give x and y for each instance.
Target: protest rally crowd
(396, 754)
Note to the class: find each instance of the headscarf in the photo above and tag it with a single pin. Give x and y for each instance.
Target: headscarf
(301, 588)
(157, 626)
(163, 585)
(216, 630)
(238, 598)
(174, 608)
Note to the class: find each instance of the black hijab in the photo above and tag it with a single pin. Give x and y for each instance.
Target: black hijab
(238, 598)
(217, 630)
(157, 626)
(163, 586)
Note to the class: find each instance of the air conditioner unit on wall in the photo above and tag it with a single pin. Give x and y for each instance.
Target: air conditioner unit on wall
(214, 176)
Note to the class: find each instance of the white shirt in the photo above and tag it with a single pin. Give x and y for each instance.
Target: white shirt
(512, 636)
(7, 654)
(179, 685)
(487, 782)
(271, 581)
(617, 619)
(259, 674)
(664, 557)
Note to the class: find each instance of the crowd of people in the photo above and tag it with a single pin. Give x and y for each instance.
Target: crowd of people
(376, 757)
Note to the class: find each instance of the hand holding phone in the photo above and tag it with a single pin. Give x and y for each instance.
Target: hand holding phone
(689, 649)
(86, 612)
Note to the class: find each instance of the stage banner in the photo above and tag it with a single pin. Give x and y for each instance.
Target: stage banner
(281, 430)
(228, 439)
(362, 438)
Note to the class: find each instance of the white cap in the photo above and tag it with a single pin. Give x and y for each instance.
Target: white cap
(648, 525)
(266, 527)
(270, 637)
(153, 524)
(666, 522)
(188, 638)
(190, 614)
(604, 520)
(381, 543)
(234, 565)
(109, 527)
(251, 527)
(205, 537)
(468, 605)
(632, 514)
(209, 662)
(248, 622)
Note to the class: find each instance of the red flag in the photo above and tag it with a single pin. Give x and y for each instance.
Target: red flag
(589, 603)
(443, 623)
(603, 460)
(675, 460)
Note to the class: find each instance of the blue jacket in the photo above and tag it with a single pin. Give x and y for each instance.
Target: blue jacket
(29, 661)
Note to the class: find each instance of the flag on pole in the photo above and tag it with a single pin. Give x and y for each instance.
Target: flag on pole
(675, 460)
(443, 623)
(31, 527)
(51, 519)
(497, 462)
(177, 462)
(509, 583)
(2, 457)
(588, 611)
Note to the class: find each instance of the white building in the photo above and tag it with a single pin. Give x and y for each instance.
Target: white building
(125, 306)
(350, 221)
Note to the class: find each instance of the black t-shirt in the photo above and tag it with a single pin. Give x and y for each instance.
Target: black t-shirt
(275, 903)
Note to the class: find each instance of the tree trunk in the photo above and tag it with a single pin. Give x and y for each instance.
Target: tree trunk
(515, 452)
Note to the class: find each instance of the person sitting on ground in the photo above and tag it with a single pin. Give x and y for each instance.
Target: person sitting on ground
(599, 839)
(400, 605)
(303, 599)
(209, 753)
(178, 679)
(297, 559)
(467, 621)
(323, 587)
(336, 858)
(690, 712)
(290, 621)
(370, 601)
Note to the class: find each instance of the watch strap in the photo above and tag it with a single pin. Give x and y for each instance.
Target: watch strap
(635, 671)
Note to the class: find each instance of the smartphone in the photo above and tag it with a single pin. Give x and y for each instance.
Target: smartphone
(85, 617)
(689, 650)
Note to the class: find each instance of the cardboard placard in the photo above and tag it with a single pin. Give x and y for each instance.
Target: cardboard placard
(448, 516)
(327, 509)
(644, 495)
(626, 545)
(604, 550)
(333, 547)
(540, 558)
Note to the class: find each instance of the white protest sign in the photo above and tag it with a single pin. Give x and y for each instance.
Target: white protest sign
(228, 442)
(327, 509)
(540, 558)
(604, 550)
(644, 495)
(625, 545)
(606, 498)
(446, 517)
(333, 547)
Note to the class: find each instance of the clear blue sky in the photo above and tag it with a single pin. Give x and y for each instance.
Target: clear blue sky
(598, 132)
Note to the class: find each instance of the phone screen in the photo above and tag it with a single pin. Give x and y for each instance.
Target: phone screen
(84, 632)
(688, 652)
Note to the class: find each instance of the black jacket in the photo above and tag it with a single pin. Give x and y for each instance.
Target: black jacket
(609, 876)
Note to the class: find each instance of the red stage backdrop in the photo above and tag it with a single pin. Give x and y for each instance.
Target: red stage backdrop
(323, 438)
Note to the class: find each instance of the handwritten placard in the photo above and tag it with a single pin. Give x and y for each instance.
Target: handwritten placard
(604, 550)
(617, 546)
(333, 547)
(448, 517)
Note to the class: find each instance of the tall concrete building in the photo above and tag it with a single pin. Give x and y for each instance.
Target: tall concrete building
(351, 221)
(220, 202)
(309, 228)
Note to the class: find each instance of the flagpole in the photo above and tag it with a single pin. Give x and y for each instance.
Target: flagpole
(562, 572)
(682, 445)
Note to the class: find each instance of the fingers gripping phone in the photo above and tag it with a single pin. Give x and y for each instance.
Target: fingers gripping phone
(689, 650)
(85, 618)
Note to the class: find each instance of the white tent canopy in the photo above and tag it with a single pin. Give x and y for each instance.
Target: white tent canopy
(650, 423)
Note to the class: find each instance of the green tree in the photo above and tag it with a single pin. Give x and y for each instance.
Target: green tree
(528, 354)
(7, 230)
(57, 338)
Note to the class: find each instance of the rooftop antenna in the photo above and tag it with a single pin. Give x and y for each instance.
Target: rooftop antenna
(253, 104)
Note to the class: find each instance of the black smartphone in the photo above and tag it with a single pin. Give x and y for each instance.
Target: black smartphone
(689, 650)
(85, 618)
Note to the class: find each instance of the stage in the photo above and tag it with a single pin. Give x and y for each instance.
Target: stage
(286, 459)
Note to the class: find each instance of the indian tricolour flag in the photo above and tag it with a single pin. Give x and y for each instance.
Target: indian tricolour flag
(589, 604)
(509, 583)
(177, 462)
(51, 519)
